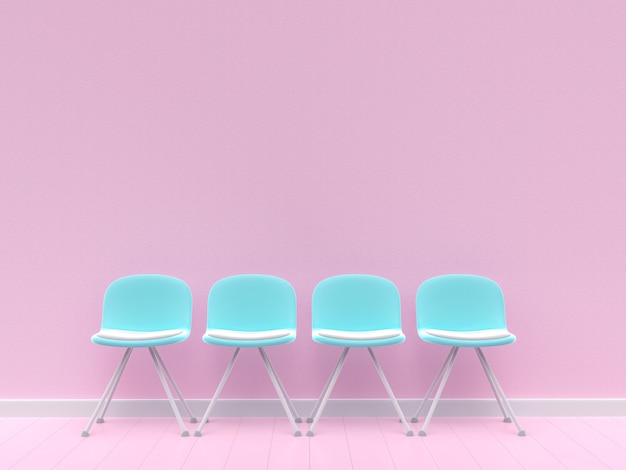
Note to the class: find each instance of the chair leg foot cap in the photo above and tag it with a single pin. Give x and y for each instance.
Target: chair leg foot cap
(193, 420)
(414, 420)
(85, 434)
(421, 433)
(100, 420)
(197, 434)
(507, 420)
(309, 420)
(297, 434)
(310, 433)
(521, 433)
(185, 434)
(298, 420)
(410, 433)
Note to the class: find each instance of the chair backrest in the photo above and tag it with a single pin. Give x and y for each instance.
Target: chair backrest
(356, 302)
(147, 302)
(252, 302)
(460, 302)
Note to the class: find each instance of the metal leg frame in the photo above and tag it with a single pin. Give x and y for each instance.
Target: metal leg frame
(294, 412)
(415, 418)
(168, 392)
(409, 432)
(282, 395)
(321, 402)
(192, 419)
(507, 419)
(205, 418)
(112, 391)
(498, 391)
(448, 368)
(103, 404)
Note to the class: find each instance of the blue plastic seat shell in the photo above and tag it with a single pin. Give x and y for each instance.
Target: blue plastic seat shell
(458, 303)
(145, 303)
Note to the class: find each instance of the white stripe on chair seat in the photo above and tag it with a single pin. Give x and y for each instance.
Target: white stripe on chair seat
(469, 335)
(127, 335)
(248, 335)
(359, 335)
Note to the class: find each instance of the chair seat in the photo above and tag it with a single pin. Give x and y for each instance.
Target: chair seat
(128, 335)
(248, 335)
(475, 335)
(359, 335)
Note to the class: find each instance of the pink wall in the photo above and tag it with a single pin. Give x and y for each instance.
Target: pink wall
(306, 139)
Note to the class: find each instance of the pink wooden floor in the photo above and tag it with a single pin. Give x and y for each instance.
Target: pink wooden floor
(340, 443)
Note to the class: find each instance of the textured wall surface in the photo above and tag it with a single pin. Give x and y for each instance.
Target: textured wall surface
(307, 139)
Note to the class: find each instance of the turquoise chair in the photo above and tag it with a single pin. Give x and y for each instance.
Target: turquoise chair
(463, 311)
(144, 311)
(356, 311)
(252, 311)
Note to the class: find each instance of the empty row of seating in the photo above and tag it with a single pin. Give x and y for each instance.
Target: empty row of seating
(257, 311)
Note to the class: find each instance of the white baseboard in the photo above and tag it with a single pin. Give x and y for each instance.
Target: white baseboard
(336, 407)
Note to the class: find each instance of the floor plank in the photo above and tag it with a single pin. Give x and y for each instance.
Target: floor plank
(93, 449)
(366, 444)
(525, 449)
(488, 452)
(53, 449)
(406, 452)
(587, 437)
(267, 443)
(329, 447)
(609, 428)
(20, 445)
(251, 447)
(288, 452)
(447, 449)
(10, 427)
(567, 451)
(212, 449)
(171, 449)
(620, 419)
(137, 444)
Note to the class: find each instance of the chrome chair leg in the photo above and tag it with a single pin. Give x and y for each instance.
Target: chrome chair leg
(446, 374)
(483, 359)
(168, 392)
(434, 383)
(192, 419)
(213, 401)
(103, 404)
(294, 412)
(290, 411)
(321, 402)
(395, 403)
(507, 419)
